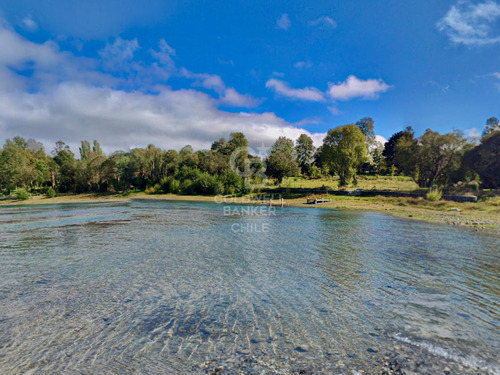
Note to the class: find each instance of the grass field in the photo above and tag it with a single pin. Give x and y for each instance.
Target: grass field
(399, 183)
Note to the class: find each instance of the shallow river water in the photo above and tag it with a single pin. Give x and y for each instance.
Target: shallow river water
(158, 287)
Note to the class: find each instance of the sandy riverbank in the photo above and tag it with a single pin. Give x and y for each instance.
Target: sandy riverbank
(476, 216)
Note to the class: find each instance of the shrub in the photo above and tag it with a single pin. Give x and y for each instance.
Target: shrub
(22, 194)
(187, 173)
(474, 186)
(149, 190)
(175, 186)
(50, 193)
(434, 195)
(157, 189)
(232, 181)
(187, 187)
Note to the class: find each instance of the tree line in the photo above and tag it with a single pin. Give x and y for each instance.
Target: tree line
(347, 151)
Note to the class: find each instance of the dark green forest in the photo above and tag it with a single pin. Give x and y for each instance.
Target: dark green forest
(431, 160)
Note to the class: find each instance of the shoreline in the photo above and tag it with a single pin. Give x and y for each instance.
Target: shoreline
(478, 216)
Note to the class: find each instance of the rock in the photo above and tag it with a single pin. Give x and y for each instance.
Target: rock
(455, 209)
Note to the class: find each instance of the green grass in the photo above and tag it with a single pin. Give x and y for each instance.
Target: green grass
(434, 195)
(399, 183)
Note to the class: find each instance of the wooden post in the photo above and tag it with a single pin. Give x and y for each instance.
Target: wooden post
(282, 202)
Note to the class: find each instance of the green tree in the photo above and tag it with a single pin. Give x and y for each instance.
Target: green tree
(431, 158)
(17, 165)
(281, 161)
(172, 161)
(378, 160)
(484, 159)
(390, 145)
(237, 149)
(367, 127)
(344, 149)
(85, 150)
(212, 162)
(492, 125)
(304, 150)
(65, 169)
(188, 157)
(219, 146)
(96, 149)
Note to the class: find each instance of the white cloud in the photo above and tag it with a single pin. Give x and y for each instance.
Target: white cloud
(472, 24)
(284, 89)
(228, 96)
(324, 22)
(16, 51)
(283, 22)
(439, 86)
(303, 64)
(381, 140)
(29, 24)
(354, 87)
(334, 110)
(472, 133)
(74, 101)
(118, 54)
(165, 55)
(119, 119)
(231, 97)
(208, 81)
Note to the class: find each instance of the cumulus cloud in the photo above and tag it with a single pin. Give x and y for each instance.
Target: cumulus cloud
(380, 140)
(283, 22)
(354, 87)
(324, 22)
(74, 101)
(472, 133)
(284, 89)
(472, 24)
(233, 98)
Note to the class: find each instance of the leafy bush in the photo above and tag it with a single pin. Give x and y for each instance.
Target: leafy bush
(165, 184)
(434, 195)
(149, 190)
(175, 186)
(187, 187)
(474, 186)
(22, 194)
(233, 182)
(50, 193)
(207, 184)
(314, 172)
(187, 173)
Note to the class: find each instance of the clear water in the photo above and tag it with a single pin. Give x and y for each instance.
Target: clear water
(183, 287)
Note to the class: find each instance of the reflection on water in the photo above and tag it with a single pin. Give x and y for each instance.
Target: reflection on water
(169, 287)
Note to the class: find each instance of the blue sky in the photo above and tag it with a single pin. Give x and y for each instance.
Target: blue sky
(174, 73)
